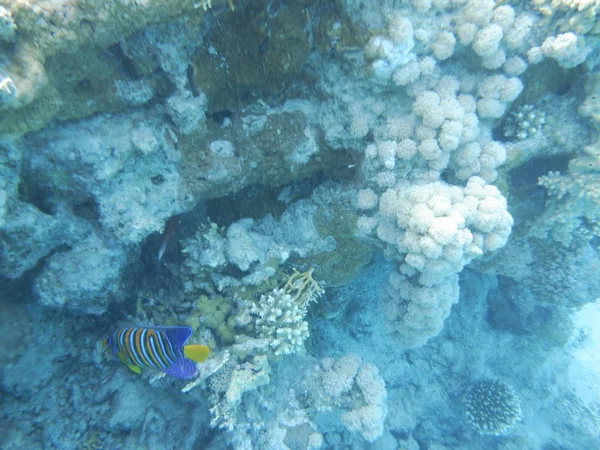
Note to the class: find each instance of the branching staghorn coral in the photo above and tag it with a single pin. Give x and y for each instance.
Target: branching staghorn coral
(279, 315)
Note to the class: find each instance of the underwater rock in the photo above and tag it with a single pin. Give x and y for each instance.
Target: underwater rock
(254, 54)
(590, 108)
(85, 278)
(247, 378)
(62, 62)
(128, 407)
(336, 221)
(512, 307)
(28, 235)
(509, 307)
(124, 166)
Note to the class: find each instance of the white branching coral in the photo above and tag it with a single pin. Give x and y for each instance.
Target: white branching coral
(432, 228)
(495, 93)
(495, 33)
(280, 319)
(417, 312)
(279, 315)
(443, 48)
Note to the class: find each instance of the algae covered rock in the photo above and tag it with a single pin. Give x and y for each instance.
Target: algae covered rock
(256, 51)
(342, 264)
(334, 219)
(590, 108)
(123, 168)
(84, 279)
(62, 61)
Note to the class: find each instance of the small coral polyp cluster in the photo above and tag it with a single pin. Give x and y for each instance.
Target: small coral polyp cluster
(524, 122)
(492, 407)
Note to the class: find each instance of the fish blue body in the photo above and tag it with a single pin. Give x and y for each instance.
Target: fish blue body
(160, 348)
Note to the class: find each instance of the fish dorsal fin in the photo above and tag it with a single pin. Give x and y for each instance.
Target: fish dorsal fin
(197, 353)
(177, 336)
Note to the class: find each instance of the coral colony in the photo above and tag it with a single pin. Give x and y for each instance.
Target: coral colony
(303, 225)
(492, 407)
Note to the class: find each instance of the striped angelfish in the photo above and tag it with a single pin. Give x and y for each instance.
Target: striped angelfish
(160, 348)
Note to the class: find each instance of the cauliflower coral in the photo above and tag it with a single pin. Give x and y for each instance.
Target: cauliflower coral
(443, 227)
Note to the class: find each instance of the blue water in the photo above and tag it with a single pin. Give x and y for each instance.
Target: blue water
(380, 217)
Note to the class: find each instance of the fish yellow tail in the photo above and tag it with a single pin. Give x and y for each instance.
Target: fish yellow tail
(197, 353)
(136, 369)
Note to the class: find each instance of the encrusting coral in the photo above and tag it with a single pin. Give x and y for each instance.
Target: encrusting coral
(590, 108)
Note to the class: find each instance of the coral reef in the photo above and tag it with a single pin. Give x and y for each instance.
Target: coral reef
(572, 214)
(7, 25)
(432, 163)
(216, 314)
